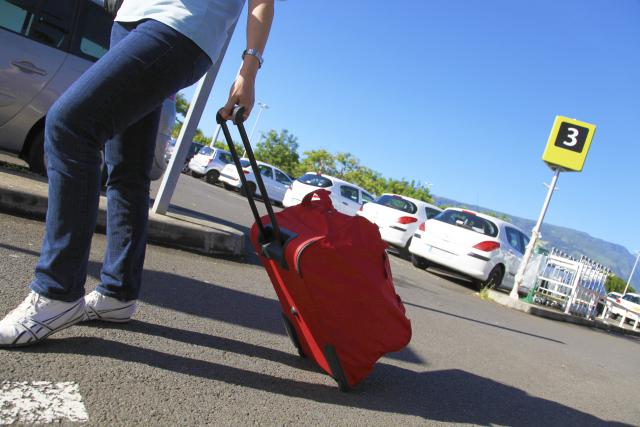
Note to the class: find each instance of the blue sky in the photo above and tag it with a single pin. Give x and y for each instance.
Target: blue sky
(462, 94)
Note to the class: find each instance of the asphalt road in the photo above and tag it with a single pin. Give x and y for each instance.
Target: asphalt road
(207, 347)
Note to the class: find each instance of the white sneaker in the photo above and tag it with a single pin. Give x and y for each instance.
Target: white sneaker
(101, 307)
(36, 318)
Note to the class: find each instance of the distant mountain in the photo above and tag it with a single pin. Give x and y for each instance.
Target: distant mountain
(576, 243)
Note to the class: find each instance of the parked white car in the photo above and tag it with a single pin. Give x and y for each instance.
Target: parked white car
(486, 249)
(398, 217)
(275, 180)
(629, 301)
(208, 163)
(346, 197)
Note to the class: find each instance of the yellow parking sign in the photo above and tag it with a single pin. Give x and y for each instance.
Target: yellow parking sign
(568, 144)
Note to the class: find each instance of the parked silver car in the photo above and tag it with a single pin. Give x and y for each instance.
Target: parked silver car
(46, 46)
(208, 163)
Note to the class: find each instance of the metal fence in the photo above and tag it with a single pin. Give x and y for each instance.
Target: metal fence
(573, 285)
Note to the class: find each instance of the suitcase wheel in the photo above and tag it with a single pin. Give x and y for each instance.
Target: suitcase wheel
(334, 363)
(293, 336)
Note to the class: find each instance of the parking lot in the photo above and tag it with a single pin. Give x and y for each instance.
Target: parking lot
(208, 347)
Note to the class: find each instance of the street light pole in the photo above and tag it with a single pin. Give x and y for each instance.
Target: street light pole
(263, 107)
(631, 275)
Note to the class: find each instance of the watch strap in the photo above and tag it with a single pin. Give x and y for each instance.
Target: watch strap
(253, 52)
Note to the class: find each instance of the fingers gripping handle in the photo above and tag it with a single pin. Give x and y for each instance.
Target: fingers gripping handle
(237, 116)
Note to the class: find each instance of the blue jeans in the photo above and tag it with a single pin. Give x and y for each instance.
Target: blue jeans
(115, 104)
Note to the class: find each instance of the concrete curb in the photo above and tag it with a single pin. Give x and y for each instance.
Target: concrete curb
(505, 300)
(25, 195)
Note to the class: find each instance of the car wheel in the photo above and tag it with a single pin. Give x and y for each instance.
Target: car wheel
(212, 176)
(36, 158)
(185, 168)
(419, 262)
(251, 187)
(494, 279)
(404, 252)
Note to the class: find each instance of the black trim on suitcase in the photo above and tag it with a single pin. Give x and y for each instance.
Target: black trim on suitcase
(272, 249)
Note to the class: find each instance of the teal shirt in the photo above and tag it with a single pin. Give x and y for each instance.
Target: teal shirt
(207, 23)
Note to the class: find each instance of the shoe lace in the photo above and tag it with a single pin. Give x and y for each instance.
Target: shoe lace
(24, 309)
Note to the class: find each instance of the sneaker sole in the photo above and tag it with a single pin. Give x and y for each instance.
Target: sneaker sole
(93, 315)
(33, 341)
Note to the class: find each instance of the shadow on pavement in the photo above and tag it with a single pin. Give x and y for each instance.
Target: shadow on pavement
(210, 341)
(227, 305)
(452, 277)
(482, 322)
(451, 396)
(214, 302)
(250, 256)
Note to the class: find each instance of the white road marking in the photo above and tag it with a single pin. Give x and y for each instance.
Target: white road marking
(40, 402)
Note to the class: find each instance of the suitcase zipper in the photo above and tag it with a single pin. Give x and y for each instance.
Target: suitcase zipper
(301, 249)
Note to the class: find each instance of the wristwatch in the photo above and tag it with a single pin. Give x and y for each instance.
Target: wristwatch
(253, 52)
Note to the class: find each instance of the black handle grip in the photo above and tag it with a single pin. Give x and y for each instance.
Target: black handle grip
(237, 116)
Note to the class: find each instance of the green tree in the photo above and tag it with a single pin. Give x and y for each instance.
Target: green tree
(320, 161)
(616, 284)
(280, 150)
(346, 163)
(412, 189)
(367, 178)
(201, 138)
(182, 106)
(176, 129)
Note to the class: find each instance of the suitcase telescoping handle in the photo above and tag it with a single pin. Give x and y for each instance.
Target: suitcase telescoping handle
(238, 119)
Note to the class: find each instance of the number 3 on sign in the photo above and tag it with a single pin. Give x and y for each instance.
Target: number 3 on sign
(573, 134)
(568, 144)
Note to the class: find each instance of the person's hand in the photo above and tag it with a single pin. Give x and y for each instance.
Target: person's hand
(242, 93)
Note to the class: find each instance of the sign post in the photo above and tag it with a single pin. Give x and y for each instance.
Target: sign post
(566, 151)
(188, 130)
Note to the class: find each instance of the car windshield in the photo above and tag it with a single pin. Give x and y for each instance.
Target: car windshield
(397, 202)
(245, 163)
(315, 180)
(431, 212)
(206, 151)
(468, 220)
(634, 299)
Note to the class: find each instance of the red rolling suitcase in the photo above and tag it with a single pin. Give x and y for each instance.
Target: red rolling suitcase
(332, 277)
